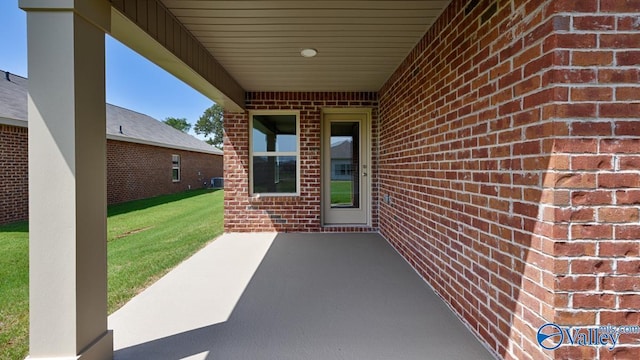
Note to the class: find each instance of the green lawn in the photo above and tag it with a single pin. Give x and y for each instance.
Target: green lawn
(341, 192)
(146, 238)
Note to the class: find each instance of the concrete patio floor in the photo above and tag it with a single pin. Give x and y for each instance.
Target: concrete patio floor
(292, 296)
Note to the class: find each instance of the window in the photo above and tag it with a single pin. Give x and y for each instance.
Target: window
(175, 167)
(343, 169)
(274, 153)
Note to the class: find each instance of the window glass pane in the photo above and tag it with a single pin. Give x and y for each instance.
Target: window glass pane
(274, 133)
(175, 167)
(345, 159)
(274, 174)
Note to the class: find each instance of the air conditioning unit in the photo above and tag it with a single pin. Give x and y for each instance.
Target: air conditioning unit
(217, 182)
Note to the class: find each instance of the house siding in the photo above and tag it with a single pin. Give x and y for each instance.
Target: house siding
(138, 171)
(134, 171)
(510, 150)
(14, 174)
(287, 213)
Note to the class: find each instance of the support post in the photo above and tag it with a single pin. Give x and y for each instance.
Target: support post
(67, 179)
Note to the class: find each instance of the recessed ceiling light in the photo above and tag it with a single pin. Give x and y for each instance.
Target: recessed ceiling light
(309, 53)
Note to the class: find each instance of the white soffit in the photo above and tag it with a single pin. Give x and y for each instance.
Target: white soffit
(359, 43)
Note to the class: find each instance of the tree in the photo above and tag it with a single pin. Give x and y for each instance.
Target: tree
(178, 123)
(210, 125)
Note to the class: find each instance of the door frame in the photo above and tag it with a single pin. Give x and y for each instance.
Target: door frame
(364, 116)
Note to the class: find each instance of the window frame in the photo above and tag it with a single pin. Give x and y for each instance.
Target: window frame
(252, 154)
(174, 167)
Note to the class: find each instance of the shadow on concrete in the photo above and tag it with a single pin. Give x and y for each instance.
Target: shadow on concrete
(326, 296)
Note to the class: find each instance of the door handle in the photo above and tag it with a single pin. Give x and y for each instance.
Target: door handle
(364, 174)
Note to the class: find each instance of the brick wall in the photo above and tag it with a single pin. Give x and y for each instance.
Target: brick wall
(302, 213)
(592, 193)
(134, 171)
(14, 172)
(137, 171)
(510, 146)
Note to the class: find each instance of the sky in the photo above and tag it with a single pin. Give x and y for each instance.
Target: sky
(132, 81)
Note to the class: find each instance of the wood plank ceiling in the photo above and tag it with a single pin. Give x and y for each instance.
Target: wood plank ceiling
(359, 43)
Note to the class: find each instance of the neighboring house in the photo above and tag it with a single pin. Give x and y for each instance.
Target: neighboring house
(145, 157)
(341, 161)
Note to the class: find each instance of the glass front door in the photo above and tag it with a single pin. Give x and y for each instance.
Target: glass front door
(345, 168)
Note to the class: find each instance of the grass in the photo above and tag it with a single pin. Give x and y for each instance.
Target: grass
(341, 192)
(14, 290)
(145, 239)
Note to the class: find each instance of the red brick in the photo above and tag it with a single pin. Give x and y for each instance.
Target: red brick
(626, 23)
(620, 317)
(618, 215)
(585, 6)
(571, 41)
(618, 76)
(621, 283)
(572, 248)
(575, 283)
(592, 58)
(575, 145)
(628, 267)
(629, 162)
(14, 187)
(569, 76)
(527, 148)
(576, 110)
(589, 128)
(619, 249)
(618, 180)
(591, 266)
(558, 162)
(567, 318)
(628, 58)
(620, 145)
(628, 127)
(620, 6)
(621, 351)
(594, 22)
(630, 301)
(570, 180)
(591, 94)
(595, 162)
(594, 301)
(628, 232)
(628, 197)
(598, 197)
(591, 231)
(619, 41)
(575, 352)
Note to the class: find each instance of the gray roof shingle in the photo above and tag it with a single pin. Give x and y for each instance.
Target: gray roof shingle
(136, 127)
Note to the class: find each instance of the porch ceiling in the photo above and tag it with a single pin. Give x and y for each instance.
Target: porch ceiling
(359, 43)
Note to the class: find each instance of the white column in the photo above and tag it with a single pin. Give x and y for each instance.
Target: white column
(67, 179)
